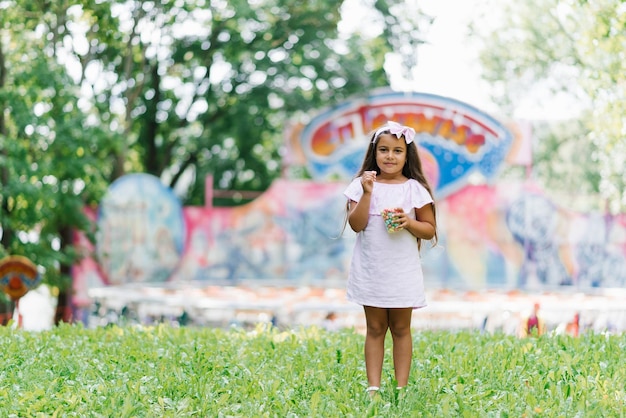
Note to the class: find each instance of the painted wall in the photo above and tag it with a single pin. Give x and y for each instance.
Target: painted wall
(492, 234)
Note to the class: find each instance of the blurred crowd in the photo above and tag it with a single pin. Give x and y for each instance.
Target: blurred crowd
(491, 311)
(510, 313)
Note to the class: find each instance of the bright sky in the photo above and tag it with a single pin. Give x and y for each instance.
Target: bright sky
(448, 64)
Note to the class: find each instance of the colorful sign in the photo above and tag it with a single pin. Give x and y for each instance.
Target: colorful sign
(18, 275)
(454, 138)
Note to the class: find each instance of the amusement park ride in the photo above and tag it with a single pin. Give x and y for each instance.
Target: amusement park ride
(18, 275)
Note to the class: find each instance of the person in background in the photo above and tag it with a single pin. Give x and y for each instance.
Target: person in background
(573, 328)
(330, 322)
(391, 208)
(534, 324)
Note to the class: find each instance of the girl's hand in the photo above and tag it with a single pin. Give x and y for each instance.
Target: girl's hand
(367, 181)
(402, 219)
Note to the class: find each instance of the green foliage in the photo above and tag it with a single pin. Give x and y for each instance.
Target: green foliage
(211, 91)
(178, 372)
(50, 152)
(561, 159)
(91, 90)
(573, 48)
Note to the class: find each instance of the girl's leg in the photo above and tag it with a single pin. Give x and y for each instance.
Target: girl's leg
(377, 323)
(400, 326)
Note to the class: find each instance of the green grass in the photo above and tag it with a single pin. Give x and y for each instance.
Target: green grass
(193, 372)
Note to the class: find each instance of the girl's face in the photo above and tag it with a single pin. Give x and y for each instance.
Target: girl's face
(390, 155)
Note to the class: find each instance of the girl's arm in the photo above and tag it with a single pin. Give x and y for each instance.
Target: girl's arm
(424, 226)
(359, 212)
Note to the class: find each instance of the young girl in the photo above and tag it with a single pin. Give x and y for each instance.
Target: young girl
(385, 274)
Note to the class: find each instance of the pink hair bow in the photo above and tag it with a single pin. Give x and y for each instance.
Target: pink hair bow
(396, 129)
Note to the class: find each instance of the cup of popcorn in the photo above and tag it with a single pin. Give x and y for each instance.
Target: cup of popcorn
(391, 221)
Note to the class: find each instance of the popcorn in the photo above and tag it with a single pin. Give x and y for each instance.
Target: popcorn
(391, 222)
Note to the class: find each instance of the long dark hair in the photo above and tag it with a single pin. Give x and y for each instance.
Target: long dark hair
(412, 169)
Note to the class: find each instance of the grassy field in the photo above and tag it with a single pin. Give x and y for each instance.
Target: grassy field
(199, 372)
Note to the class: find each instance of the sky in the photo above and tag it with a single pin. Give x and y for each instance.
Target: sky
(448, 63)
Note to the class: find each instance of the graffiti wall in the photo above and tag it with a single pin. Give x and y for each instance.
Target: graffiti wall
(492, 234)
(513, 235)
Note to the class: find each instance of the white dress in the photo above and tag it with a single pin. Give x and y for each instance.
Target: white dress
(386, 271)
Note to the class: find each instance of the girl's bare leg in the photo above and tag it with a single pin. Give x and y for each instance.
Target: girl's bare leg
(377, 323)
(400, 326)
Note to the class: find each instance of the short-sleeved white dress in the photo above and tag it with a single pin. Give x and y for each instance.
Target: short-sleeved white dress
(386, 271)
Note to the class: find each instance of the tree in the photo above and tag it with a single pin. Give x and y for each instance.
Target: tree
(52, 163)
(91, 90)
(573, 48)
(201, 89)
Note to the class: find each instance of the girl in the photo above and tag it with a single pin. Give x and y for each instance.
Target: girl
(385, 274)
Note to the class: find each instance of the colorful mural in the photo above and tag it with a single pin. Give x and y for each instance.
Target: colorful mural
(493, 234)
(512, 235)
(140, 231)
(291, 232)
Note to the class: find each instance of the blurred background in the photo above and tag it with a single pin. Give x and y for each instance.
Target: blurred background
(184, 162)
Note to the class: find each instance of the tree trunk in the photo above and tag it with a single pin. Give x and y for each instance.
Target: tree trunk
(7, 307)
(64, 307)
(64, 312)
